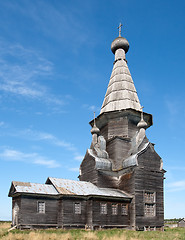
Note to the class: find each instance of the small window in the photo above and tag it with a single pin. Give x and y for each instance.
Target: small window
(41, 207)
(124, 209)
(149, 197)
(149, 210)
(103, 208)
(77, 207)
(114, 209)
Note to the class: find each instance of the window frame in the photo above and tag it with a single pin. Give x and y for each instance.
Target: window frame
(41, 209)
(151, 211)
(149, 197)
(77, 208)
(149, 203)
(125, 207)
(114, 209)
(103, 208)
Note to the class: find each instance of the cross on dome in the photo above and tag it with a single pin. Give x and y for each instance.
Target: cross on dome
(120, 26)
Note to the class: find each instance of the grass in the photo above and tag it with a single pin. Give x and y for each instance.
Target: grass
(75, 234)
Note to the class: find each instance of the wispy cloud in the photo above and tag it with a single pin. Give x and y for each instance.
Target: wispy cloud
(79, 157)
(2, 123)
(45, 16)
(177, 168)
(173, 106)
(20, 72)
(32, 135)
(176, 186)
(74, 169)
(91, 108)
(33, 158)
(48, 137)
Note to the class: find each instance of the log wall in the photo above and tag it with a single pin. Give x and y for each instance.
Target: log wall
(28, 213)
(109, 220)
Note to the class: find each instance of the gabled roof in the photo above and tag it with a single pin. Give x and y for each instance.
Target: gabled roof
(26, 187)
(82, 188)
(59, 186)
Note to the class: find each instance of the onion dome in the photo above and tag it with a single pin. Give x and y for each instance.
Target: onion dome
(120, 42)
(142, 123)
(95, 129)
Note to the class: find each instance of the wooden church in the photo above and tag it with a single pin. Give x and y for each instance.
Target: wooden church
(121, 176)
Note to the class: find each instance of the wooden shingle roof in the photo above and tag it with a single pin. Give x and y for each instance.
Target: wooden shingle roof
(121, 93)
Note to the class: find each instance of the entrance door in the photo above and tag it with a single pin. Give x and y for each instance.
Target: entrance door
(15, 213)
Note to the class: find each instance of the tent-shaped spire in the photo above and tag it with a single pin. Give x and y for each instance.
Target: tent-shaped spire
(121, 93)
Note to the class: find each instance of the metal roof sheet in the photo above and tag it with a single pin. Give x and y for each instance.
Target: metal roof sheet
(85, 188)
(22, 187)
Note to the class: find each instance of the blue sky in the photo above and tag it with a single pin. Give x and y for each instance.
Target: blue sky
(55, 65)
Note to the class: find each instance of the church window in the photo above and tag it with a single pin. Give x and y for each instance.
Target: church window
(114, 209)
(149, 204)
(149, 210)
(124, 209)
(77, 208)
(103, 208)
(41, 207)
(149, 197)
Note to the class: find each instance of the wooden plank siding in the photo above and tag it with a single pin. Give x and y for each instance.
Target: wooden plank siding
(115, 127)
(28, 212)
(90, 215)
(109, 220)
(88, 171)
(149, 177)
(118, 149)
(153, 182)
(69, 218)
(127, 184)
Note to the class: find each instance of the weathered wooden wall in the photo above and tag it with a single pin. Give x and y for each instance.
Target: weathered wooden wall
(149, 177)
(118, 149)
(127, 184)
(69, 218)
(90, 174)
(109, 220)
(28, 214)
(88, 171)
(90, 214)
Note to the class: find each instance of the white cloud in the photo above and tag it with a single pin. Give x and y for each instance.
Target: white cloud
(34, 158)
(37, 136)
(91, 108)
(79, 157)
(176, 186)
(46, 23)
(21, 70)
(1, 124)
(173, 106)
(74, 169)
(177, 168)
